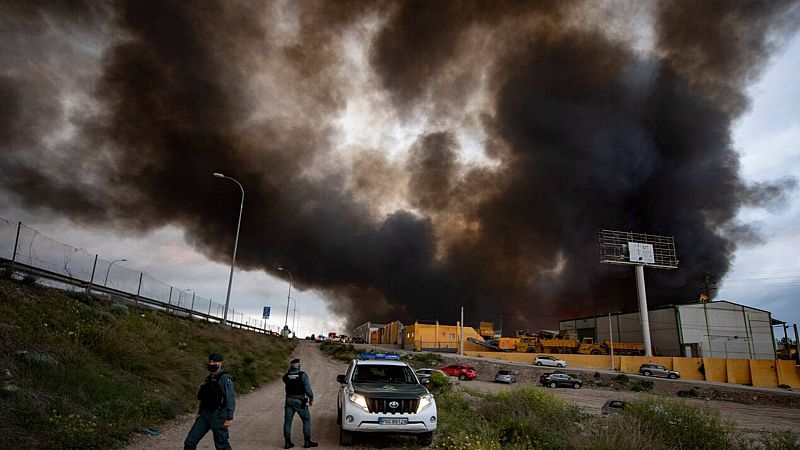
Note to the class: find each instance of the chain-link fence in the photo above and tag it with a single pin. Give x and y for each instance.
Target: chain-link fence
(24, 248)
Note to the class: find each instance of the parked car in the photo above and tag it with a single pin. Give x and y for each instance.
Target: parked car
(463, 372)
(657, 370)
(544, 360)
(613, 407)
(505, 376)
(559, 380)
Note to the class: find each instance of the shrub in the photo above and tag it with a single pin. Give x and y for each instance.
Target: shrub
(781, 440)
(622, 378)
(523, 418)
(342, 352)
(118, 309)
(642, 386)
(440, 382)
(424, 359)
(693, 392)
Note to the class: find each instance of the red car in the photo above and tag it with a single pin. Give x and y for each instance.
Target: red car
(461, 371)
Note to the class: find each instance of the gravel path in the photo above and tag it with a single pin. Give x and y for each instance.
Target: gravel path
(258, 423)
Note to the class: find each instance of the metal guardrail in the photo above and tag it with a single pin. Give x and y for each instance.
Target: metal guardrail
(26, 252)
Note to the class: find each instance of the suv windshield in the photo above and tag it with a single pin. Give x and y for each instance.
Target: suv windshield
(366, 373)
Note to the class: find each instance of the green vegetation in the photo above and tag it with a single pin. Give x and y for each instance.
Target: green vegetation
(81, 373)
(423, 359)
(532, 418)
(342, 352)
(642, 386)
(521, 418)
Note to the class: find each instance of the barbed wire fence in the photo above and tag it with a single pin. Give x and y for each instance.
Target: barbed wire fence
(27, 253)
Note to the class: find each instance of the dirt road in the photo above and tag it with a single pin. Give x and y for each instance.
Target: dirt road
(259, 416)
(258, 423)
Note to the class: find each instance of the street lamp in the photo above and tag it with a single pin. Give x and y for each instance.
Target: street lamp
(288, 296)
(294, 313)
(109, 269)
(235, 245)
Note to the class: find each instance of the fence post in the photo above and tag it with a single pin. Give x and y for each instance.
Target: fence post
(192, 308)
(169, 301)
(89, 286)
(208, 316)
(14, 255)
(138, 291)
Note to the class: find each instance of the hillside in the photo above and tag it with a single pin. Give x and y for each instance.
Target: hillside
(83, 373)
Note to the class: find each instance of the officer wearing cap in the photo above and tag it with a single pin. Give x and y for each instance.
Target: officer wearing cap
(298, 398)
(217, 404)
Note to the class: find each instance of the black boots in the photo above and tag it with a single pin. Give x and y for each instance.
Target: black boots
(309, 443)
(288, 444)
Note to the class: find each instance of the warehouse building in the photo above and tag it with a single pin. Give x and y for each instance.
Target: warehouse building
(720, 329)
(365, 330)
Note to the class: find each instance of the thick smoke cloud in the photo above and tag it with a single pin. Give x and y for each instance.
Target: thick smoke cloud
(117, 113)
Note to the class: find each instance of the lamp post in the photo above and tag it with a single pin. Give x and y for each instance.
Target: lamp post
(235, 245)
(294, 314)
(288, 296)
(109, 269)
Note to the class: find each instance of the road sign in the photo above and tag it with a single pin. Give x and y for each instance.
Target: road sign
(266, 312)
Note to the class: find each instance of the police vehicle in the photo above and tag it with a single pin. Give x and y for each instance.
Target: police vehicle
(381, 394)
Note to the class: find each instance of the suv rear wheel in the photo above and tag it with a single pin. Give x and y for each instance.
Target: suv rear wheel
(647, 373)
(552, 384)
(672, 376)
(425, 439)
(576, 386)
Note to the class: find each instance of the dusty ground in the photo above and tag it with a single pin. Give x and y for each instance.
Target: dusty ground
(259, 416)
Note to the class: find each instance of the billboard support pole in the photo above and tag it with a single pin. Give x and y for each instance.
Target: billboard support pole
(648, 348)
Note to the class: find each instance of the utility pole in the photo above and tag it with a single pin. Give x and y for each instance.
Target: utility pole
(709, 283)
(611, 340)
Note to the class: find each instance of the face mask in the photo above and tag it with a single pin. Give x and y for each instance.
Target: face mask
(213, 367)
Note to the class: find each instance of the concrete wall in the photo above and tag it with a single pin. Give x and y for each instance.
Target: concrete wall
(739, 371)
(664, 332)
(689, 368)
(764, 373)
(715, 369)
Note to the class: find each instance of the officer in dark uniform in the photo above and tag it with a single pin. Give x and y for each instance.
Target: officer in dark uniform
(298, 398)
(217, 404)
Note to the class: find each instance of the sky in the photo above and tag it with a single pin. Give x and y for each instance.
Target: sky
(404, 161)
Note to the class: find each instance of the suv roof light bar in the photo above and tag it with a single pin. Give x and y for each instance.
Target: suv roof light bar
(378, 356)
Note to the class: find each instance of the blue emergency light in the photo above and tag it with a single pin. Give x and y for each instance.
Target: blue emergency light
(377, 356)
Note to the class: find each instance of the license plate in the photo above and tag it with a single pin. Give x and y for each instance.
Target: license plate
(393, 421)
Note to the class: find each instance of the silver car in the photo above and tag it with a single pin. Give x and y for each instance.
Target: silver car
(657, 370)
(505, 376)
(544, 360)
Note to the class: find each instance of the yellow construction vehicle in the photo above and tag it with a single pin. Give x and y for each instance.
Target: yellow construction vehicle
(589, 347)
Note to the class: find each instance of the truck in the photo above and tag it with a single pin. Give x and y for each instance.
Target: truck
(589, 347)
(546, 343)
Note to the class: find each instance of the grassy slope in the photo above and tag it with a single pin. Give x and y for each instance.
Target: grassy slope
(82, 373)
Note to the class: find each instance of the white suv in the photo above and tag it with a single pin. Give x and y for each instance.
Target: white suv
(380, 394)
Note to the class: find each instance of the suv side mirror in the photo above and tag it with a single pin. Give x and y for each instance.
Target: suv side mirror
(424, 381)
(340, 379)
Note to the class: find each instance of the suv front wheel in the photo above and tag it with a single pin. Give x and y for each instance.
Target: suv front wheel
(553, 384)
(425, 439)
(647, 373)
(672, 376)
(345, 437)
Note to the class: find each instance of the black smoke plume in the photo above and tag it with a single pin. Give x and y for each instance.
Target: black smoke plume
(116, 113)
